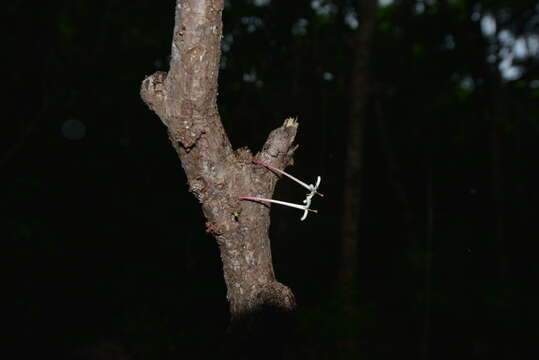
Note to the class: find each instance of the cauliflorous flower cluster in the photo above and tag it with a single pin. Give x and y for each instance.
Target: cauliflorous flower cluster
(313, 189)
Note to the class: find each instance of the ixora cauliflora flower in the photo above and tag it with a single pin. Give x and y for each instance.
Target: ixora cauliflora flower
(313, 189)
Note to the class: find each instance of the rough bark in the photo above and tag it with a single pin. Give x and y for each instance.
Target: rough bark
(185, 99)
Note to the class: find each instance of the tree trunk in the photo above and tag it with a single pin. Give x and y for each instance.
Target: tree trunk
(425, 349)
(185, 99)
(360, 90)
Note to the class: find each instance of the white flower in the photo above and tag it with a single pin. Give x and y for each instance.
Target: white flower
(313, 189)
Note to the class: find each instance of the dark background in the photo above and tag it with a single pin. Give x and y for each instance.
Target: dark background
(108, 254)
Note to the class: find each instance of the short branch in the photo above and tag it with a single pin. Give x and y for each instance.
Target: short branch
(152, 92)
(278, 149)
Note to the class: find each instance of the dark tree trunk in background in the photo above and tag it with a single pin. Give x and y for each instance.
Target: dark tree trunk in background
(498, 195)
(488, 86)
(360, 90)
(393, 171)
(429, 237)
(185, 99)
(488, 82)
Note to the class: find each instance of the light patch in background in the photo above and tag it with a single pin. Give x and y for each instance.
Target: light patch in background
(467, 83)
(73, 129)
(488, 25)
(476, 16)
(508, 71)
(223, 62)
(506, 56)
(449, 42)
(327, 76)
(421, 6)
(261, 2)
(300, 27)
(322, 8)
(520, 49)
(249, 77)
(515, 48)
(252, 78)
(226, 43)
(530, 46)
(506, 38)
(385, 2)
(252, 23)
(350, 19)
(505, 47)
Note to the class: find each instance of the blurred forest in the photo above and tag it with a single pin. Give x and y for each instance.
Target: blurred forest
(108, 253)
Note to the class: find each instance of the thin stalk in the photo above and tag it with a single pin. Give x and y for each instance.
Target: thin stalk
(308, 187)
(285, 203)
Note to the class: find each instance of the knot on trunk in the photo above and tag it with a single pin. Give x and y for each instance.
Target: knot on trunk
(276, 296)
